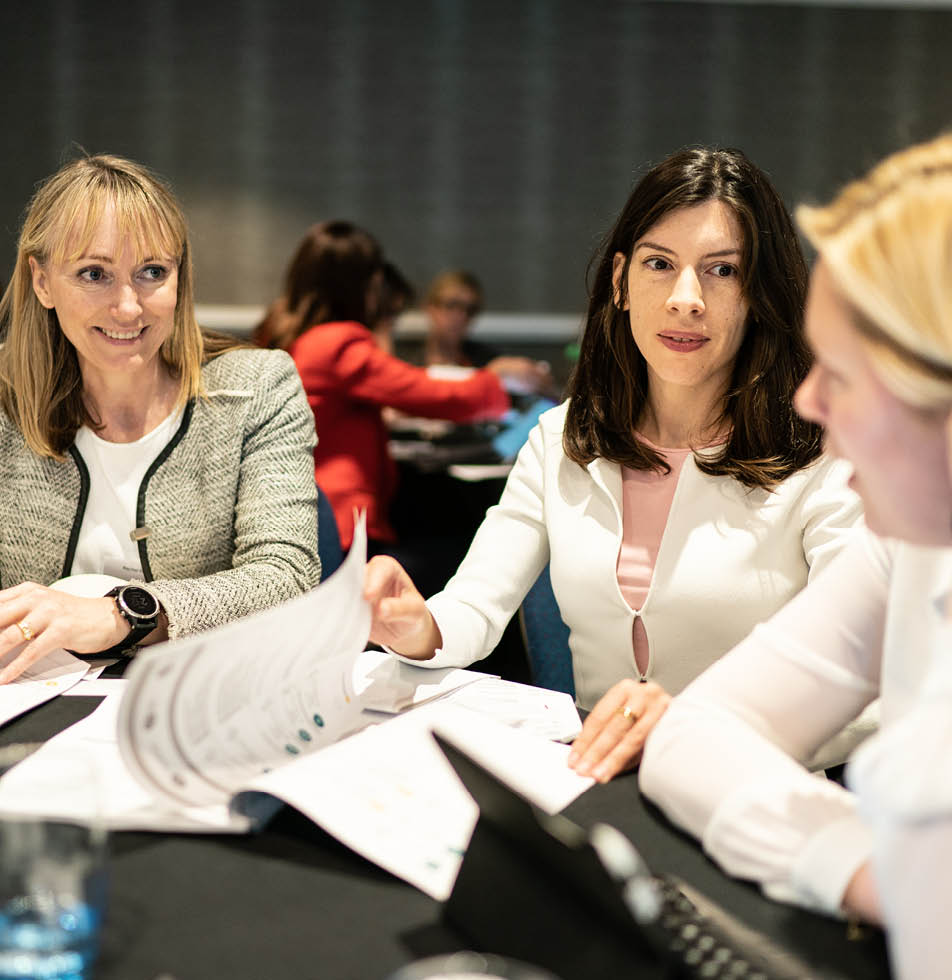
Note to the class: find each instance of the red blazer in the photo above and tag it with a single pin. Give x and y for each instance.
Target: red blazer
(348, 380)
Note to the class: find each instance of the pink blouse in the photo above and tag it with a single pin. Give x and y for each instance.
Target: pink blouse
(646, 503)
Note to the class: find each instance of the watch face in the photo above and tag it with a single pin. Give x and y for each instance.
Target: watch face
(140, 602)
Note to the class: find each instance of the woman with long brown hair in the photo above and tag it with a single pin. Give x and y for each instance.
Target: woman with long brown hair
(331, 300)
(676, 496)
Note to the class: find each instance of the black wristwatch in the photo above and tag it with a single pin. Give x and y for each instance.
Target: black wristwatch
(140, 609)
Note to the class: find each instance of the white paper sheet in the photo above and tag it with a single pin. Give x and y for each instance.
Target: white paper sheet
(96, 667)
(54, 674)
(271, 707)
(96, 687)
(548, 714)
(386, 792)
(384, 683)
(477, 472)
(389, 793)
(43, 786)
(205, 714)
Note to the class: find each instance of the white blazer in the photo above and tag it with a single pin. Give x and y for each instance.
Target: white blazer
(729, 558)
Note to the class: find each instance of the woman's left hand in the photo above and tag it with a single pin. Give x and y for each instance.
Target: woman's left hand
(36, 620)
(861, 898)
(614, 734)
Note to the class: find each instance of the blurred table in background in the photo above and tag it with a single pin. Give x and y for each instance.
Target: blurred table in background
(437, 510)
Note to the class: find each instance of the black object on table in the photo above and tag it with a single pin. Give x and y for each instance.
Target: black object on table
(291, 902)
(606, 913)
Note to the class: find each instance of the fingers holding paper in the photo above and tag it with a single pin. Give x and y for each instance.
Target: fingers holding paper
(35, 621)
(400, 618)
(614, 734)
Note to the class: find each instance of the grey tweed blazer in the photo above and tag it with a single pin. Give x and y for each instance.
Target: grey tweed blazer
(230, 504)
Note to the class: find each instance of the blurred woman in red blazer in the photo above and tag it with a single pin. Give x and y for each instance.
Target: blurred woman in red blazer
(332, 291)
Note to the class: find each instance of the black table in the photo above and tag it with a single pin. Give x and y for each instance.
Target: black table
(291, 902)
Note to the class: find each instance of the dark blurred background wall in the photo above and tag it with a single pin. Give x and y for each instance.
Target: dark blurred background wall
(502, 135)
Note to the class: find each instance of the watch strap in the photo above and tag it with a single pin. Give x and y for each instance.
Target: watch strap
(138, 629)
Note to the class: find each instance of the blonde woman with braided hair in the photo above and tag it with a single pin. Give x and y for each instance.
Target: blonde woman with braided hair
(170, 464)
(723, 762)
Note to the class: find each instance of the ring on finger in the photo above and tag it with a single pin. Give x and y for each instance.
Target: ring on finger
(629, 713)
(28, 634)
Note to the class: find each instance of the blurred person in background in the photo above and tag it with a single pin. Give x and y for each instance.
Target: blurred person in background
(453, 300)
(396, 297)
(333, 292)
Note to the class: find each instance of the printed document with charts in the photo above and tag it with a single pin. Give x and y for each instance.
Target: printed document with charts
(213, 732)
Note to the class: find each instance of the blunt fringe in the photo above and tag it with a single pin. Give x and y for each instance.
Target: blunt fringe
(41, 386)
(767, 440)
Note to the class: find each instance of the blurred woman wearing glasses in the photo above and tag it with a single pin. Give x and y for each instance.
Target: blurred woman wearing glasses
(453, 300)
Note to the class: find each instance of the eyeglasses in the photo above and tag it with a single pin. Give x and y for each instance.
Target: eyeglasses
(458, 306)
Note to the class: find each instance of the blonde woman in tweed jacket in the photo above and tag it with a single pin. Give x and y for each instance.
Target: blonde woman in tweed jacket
(132, 444)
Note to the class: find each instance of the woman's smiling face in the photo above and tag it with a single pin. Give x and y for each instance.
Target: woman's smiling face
(114, 306)
(686, 305)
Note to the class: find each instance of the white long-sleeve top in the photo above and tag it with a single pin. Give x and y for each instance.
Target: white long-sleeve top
(903, 782)
(722, 762)
(729, 558)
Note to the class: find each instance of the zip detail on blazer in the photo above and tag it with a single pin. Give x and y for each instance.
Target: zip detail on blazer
(80, 510)
(140, 502)
(143, 543)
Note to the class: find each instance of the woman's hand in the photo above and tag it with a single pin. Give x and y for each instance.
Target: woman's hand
(614, 733)
(522, 374)
(400, 620)
(861, 898)
(35, 620)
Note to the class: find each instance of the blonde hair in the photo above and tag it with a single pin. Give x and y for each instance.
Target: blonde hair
(886, 240)
(41, 387)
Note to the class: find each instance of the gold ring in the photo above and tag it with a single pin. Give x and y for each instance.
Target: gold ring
(28, 634)
(629, 713)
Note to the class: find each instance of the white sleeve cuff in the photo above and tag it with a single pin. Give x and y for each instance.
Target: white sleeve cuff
(828, 861)
(798, 835)
(413, 662)
(450, 654)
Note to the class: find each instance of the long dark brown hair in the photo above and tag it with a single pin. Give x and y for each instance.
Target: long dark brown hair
(331, 278)
(609, 387)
